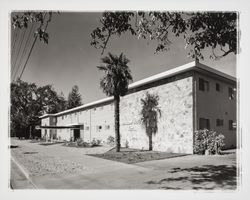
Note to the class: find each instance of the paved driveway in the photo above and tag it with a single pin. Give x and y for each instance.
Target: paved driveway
(60, 167)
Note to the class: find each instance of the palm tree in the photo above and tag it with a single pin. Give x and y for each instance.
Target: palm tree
(149, 115)
(115, 83)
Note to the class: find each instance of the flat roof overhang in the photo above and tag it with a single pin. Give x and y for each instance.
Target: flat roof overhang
(61, 127)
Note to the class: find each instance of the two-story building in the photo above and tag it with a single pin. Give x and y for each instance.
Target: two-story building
(191, 97)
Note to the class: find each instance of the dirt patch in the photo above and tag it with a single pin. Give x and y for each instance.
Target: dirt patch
(130, 156)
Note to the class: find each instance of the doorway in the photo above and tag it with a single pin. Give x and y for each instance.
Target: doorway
(76, 134)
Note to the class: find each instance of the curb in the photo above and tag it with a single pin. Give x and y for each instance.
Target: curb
(24, 171)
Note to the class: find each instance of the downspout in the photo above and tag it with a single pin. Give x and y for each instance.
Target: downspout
(90, 127)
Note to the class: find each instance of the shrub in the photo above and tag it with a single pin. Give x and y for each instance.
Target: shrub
(111, 140)
(95, 142)
(81, 143)
(208, 140)
(127, 144)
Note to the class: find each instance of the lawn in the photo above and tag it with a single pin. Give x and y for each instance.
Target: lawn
(130, 156)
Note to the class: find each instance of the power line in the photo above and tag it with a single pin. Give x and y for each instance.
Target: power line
(24, 50)
(35, 42)
(22, 37)
(14, 43)
(14, 47)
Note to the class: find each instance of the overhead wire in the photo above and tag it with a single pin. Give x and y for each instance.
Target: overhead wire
(16, 35)
(20, 46)
(24, 50)
(33, 44)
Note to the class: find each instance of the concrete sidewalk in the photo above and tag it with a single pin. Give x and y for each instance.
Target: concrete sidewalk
(18, 179)
(188, 172)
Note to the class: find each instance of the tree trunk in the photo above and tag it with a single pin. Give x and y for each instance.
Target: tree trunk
(117, 123)
(150, 142)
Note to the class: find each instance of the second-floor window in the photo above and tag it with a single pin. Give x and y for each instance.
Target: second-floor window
(203, 85)
(218, 87)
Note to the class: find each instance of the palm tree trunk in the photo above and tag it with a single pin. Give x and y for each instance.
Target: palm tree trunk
(150, 142)
(117, 123)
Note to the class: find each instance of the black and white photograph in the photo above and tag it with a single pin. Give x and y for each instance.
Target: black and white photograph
(124, 100)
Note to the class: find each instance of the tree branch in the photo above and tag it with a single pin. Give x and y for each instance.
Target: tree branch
(105, 43)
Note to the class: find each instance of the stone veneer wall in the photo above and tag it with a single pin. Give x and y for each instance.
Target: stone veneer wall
(175, 126)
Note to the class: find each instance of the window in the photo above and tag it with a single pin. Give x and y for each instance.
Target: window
(232, 125)
(204, 123)
(203, 85)
(101, 108)
(218, 88)
(87, 128)
(62, 117)
(219, 122)
(231, 93)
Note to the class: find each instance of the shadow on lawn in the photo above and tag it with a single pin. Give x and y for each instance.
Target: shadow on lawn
(218, 177)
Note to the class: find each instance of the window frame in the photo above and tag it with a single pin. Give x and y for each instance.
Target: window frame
(203, 85)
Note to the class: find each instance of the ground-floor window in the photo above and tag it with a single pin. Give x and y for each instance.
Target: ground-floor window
(231, 125)
(219, 122)
(204, 123)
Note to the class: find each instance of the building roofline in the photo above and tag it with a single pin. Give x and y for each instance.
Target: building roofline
(79, 107)
(47, 115)
(183, 68)
(215, 71)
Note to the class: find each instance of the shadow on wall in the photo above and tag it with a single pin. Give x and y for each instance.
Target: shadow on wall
(207, 177)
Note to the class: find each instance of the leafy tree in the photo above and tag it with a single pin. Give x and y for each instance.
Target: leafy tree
(28, 102)
(149, 116)
(24, 110)
(22, 19)
(74, 98)
(48, 98)
(115, 83)
(200, 30)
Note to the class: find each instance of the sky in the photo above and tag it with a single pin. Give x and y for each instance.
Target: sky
(69, 59)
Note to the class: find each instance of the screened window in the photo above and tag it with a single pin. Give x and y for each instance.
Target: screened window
(204, 123)
(203, 85)
(218, 87)
(219, 122)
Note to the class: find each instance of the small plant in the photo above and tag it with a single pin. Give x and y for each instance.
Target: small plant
(111, 140)
(208, 142)
(127, 144)
(95, 142)
(79, 142)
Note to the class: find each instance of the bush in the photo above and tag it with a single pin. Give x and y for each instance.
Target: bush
(81, 143)
(111, 140)
(208, 140)
(126, 144)
(95, 142)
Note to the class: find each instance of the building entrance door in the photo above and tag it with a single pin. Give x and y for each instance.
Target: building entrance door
(76, 134)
